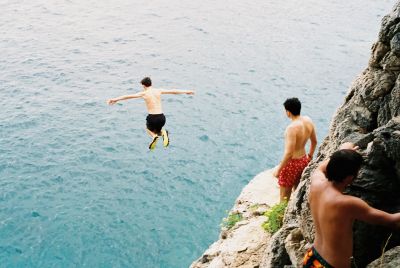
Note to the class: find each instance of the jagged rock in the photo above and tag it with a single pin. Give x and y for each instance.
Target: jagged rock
(390, 105)
(391, 259)
(379, 50)
(391, 62)
(275, 253)
(242, 248)
(295, 246)
(390, 25)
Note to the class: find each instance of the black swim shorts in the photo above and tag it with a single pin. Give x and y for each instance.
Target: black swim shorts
(312, 259)
(155, 122)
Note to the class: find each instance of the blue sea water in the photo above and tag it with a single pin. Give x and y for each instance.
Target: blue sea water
(78, 186)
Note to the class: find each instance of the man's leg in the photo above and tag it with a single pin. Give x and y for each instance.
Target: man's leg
(152, 134)
(285, 193)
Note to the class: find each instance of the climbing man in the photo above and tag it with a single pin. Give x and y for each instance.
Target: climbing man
(334, 213)
(155, 119)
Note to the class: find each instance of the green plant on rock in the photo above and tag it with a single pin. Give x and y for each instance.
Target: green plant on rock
(275, 217)
(254, 207)
(231, 220)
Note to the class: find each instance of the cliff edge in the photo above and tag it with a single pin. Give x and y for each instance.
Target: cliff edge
(244, 244)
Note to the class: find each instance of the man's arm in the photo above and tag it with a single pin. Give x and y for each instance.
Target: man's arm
(176, 91)
(125, 97)
(360, 210)
(290, 143)
(322, 166)
(348, 146)
(313, 139)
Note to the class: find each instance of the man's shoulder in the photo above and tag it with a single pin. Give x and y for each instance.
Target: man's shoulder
(153, 91)
(295, 127)
(142, 93)
(347, 203)
(292, 128)
(318, 178)
(157, 91)
(306, 118)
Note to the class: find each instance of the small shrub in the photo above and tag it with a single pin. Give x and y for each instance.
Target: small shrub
(231, 220)
(275, 217)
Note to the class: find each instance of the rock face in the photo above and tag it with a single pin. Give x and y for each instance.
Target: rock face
(369, 117)
(391, 259)
(244, 244)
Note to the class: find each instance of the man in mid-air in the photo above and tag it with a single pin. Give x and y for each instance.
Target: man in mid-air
(295, 158)
(155, 119)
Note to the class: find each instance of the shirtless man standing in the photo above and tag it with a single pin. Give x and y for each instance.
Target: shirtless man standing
(295, 159)
(155, 119)
(334, 212)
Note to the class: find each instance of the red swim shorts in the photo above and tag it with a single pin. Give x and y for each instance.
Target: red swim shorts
(291, 173)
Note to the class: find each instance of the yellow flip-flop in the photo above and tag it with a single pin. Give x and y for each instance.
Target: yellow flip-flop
(165, 137)
(153, 143)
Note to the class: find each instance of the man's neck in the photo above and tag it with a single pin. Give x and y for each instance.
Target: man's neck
(294, 117)
(339, 186)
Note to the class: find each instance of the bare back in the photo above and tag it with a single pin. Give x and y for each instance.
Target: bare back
(333, 225)
(152, 98)
(303, 128)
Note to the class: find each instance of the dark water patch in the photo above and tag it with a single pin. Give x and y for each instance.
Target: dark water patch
(10, 250)
(35, 214)
(204, 138)
(58, 179)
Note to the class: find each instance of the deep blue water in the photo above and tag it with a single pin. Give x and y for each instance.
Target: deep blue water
(78, 186)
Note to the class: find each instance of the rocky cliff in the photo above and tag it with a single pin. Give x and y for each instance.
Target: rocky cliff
(369, 117)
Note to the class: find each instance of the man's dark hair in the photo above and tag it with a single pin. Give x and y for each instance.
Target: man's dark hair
(146, 82)
(293, 105)
(343, 163)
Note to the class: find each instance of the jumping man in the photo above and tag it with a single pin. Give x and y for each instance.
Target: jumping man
(155, 119)
(295, 159)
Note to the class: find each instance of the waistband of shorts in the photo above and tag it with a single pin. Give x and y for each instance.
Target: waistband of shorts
(151, 115)
(320, 259)
(300, 159)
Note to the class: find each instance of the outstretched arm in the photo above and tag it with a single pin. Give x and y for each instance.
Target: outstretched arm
(348, 146)
(362, 211)
(313, 139)
(125, 97)
(176, 91)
